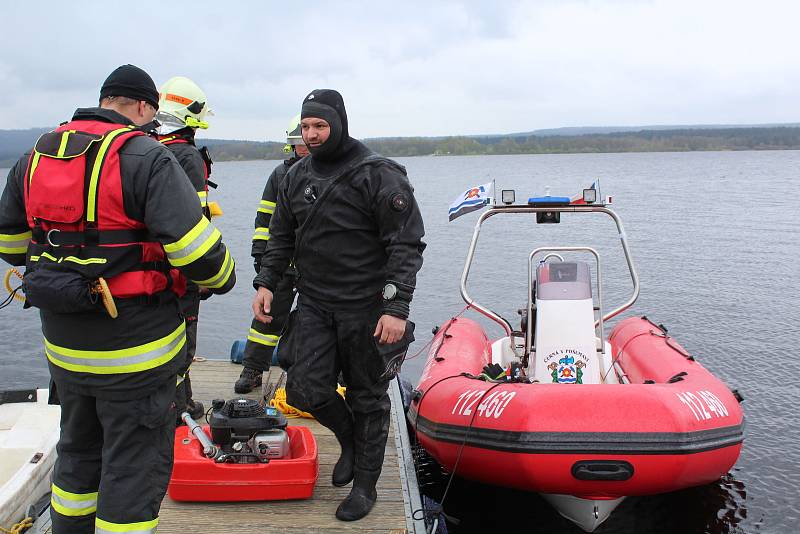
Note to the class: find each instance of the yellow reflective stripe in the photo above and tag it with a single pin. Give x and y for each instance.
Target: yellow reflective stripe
(73, 259)
(264, 339)
(180, 381)
(34, 164)
(167, 139)
(203, 195)
(130, 360)
(142, 527)
(62, 147)
(267, 206)
(73, 496)
(261, 234)
(194, 244)
(222, 276)
(72, 504)
(15, 243)
(86, 261)
(95, 176)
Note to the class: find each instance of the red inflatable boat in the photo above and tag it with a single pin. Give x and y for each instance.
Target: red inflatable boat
(582, 422)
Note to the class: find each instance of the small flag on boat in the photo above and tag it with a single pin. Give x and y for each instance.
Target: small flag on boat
(472, 199)
(580, 197)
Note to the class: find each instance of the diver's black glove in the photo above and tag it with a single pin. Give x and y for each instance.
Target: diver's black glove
(257, 263)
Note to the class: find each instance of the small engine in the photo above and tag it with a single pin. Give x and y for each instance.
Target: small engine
(247, 432)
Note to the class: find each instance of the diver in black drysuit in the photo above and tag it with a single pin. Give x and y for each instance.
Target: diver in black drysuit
(356, 262)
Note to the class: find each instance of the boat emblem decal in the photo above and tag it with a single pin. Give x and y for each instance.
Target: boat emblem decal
(567, 371)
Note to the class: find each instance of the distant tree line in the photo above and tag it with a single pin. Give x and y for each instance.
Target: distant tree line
(222, 150)
(15, 142)
(769, 138)
(688, 140)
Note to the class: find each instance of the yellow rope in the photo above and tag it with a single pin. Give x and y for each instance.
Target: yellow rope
(7, 280)
(19, 528)
(279, 402)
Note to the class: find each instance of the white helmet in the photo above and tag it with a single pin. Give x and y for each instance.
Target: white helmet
(182, 99)
(293, 135)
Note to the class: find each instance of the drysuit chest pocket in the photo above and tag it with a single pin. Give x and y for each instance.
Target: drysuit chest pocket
(57, 177)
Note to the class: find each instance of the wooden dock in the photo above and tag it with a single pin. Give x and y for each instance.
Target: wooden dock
(398, 495)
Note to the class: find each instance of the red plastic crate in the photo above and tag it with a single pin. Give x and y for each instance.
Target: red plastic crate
(197, 478)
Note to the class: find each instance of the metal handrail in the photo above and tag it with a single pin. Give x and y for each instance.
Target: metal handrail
(549, 209)
(529, 346)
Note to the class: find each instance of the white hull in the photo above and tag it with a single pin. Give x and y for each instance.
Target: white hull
(586, 513)
(27, 430)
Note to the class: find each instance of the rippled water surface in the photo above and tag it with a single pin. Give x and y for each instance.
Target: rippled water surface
(715, 237)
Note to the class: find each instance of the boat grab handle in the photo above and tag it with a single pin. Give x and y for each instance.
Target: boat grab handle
(602, 470)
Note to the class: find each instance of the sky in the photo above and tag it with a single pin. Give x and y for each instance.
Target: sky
(416, 68)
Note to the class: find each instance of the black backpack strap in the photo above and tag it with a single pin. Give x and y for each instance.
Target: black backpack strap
(89, 237)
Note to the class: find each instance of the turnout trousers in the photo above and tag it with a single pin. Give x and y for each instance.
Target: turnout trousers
(319, 344)
(183, 389)
(262, 338)
(114, 462)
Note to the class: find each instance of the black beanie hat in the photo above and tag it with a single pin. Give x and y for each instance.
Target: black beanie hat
(328, 105)
(132, 82)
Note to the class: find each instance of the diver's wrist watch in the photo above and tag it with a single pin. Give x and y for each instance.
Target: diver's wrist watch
(389, 291)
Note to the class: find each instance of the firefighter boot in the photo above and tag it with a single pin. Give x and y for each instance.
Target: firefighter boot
(370, 433)
(336, 415)
(249, 380)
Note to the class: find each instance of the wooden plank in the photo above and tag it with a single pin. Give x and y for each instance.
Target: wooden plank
(214, 379)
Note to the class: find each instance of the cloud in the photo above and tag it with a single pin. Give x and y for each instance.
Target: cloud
(416, 68)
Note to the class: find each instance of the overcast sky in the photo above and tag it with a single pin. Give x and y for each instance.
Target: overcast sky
(416, 68)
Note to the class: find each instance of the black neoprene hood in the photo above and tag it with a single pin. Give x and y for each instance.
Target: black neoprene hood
(328, 105)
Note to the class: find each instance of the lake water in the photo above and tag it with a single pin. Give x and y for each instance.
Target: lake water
(715, 237)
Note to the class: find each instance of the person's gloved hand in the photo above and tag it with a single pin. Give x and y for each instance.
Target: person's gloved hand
(257, 263)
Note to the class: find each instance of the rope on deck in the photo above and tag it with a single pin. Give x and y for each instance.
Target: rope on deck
(279, 402)
(18, 528)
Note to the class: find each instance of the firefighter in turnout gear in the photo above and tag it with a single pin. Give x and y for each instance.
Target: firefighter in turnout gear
(182, 110)
(100, 204)
(349, 220)
(263, 337)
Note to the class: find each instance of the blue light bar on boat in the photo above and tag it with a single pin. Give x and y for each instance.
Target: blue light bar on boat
(549, 200)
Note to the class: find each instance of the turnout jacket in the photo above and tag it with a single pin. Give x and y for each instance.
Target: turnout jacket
(181, 144)
(367, 232)
(130, 356)
(269, 199)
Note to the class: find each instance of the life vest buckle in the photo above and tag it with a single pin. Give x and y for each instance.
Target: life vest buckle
(48, 237)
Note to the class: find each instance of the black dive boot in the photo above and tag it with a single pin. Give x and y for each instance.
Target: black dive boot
(336, 415)
(371, 431)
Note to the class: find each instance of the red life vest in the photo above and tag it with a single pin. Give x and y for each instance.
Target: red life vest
(75, 209)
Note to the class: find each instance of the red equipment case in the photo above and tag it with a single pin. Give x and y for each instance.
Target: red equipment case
(197, 478)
